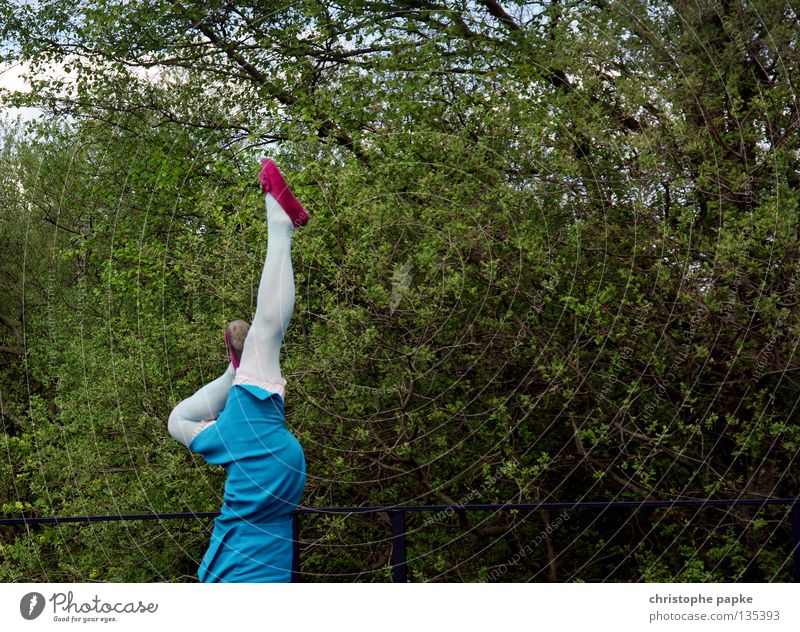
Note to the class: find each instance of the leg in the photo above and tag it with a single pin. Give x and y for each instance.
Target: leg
(275, 302)
(187, 418)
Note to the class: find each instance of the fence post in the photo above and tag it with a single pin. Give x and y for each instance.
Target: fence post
(399, 566)
(796, 538)
(295, 548)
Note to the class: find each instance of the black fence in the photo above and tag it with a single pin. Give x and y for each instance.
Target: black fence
(397, 515)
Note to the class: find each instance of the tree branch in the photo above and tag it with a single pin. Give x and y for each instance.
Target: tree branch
(500, 13)
(12, 326)
(327, 129)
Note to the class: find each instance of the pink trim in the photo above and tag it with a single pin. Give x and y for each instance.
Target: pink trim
(231, 353)
(200, 427)
(267, 385)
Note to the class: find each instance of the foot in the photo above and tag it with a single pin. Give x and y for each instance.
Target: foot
(272, 182)
(235, 333)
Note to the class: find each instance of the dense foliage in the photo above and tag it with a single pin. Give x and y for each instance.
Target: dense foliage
(553, 256)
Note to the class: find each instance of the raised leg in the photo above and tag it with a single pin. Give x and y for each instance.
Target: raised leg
(275, 301)
(194, 413)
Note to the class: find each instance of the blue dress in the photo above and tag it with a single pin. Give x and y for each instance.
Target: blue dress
(252, 537)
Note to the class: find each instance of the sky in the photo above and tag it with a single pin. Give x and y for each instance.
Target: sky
(10, 79)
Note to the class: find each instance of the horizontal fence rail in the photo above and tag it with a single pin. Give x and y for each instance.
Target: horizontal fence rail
(397, 516)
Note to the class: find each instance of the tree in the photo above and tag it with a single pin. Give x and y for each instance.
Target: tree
(554, 258)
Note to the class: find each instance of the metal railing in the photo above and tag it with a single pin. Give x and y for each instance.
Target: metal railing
(397, 516)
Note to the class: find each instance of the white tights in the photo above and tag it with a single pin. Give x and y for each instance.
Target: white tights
(261, 355)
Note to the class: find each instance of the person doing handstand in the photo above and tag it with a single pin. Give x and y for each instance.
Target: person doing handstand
(237, 421)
